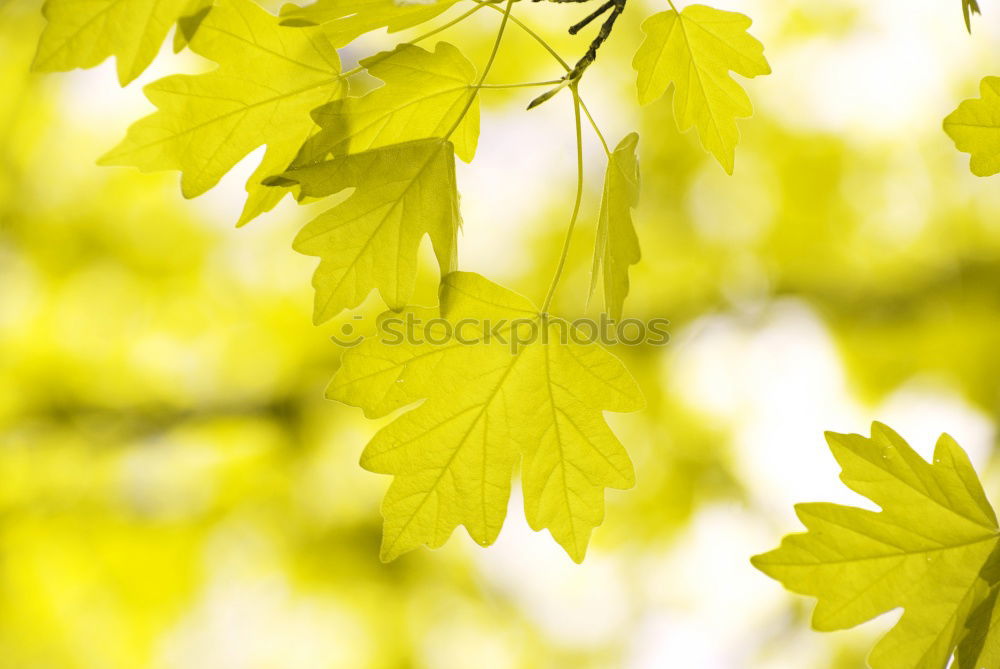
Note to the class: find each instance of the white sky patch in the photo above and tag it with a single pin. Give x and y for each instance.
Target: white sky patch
(779, 384)
(582, 606)
(706, 606)
(251, 617)
(523, 159)
(894, 71)
(922, 410)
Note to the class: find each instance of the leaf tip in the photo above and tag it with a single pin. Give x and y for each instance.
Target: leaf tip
(279, 180)
(759, 562)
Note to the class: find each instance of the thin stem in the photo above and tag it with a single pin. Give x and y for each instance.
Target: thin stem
(597, 131)
(535, 36)
(671, 3)
(576, 206)
(486, 70)
(545, 45)
(523, 85)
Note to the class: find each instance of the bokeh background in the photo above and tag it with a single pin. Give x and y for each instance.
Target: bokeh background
(175, 493)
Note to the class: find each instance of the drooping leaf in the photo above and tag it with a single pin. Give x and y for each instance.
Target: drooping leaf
(975, 128)
(268, 80)
(402, 192)
(695, 50)
(924, 551)
(969, 7)
(424, 94)
(486, 405)
(617, 245)
(84, 33)
(348, 19)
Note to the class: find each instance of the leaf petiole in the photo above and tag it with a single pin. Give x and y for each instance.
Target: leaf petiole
(486, 69)
(555, 55)
(522, 85)
(576, 206)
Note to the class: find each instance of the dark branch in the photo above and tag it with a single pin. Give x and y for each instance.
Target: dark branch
(616, 7)
(574, 29)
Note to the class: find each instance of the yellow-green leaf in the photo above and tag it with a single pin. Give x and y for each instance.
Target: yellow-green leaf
(617, 245)
(348, 19)
(402, 192)
(425, 93)
(695, 50)
(975, 128)
(488, 404)
(268, 80)
(980, 647)
(83, 33)
(924, 551)
(195, 13)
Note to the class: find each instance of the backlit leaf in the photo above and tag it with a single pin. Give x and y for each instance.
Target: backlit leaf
(924, 551)
(402, 192)
(268, 80)
(423, 96)
(695, 50)
(83, 33)
(348, 19)
(975, 128)
(487, 405)
(617, 245)
(980, 646)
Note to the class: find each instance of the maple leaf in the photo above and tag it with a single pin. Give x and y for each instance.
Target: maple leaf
(975, 128)
(695, 50)
(347, 20)
(487, 404)
(980, 648)
(924, 551)
(268, 80)
(402, 192)
(83, 33)
(617, 245)
(424, 95)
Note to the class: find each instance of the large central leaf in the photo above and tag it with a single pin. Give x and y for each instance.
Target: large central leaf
(487, 405)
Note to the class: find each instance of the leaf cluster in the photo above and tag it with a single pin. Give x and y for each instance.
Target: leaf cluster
(279, 83)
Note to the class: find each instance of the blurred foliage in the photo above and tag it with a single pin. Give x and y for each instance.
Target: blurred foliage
(175, 492)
